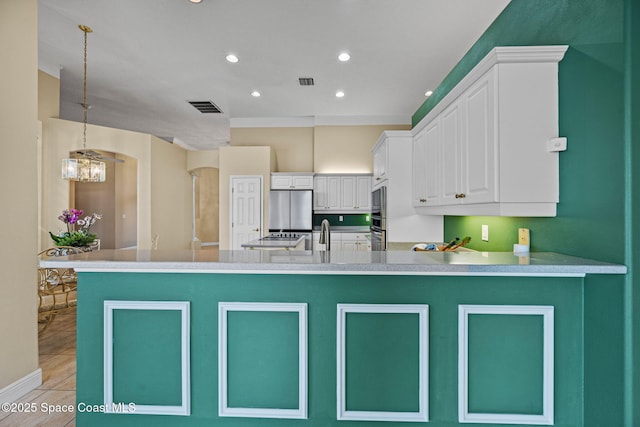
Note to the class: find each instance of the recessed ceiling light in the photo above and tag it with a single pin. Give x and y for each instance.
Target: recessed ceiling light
(428, 93)
(255, 94)
(344, 57)
(339, 94)
(195, 1)
(232, 58)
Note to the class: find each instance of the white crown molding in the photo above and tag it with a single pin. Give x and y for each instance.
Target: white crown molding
(497, 55)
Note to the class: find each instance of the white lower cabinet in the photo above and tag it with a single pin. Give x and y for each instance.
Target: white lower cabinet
(355, 242)
(344, 241)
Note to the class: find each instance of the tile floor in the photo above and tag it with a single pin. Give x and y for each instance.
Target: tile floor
(57, 346)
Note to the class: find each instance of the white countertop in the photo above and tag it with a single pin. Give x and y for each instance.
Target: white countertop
(336, 262)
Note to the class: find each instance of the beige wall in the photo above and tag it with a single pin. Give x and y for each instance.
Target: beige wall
(164, 185)
(203, 159)
(99, 197)
(347, 149)
(18, 184)
(293, 146)
(208, 204)
(320, 149)
(48, 96)
(170, 195)
(126, 199)
(242, 161)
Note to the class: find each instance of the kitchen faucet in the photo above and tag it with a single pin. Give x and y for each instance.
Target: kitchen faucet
(325, 234)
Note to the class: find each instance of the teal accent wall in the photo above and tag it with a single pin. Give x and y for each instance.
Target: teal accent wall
(382, 362)
(142, 332)
(323, 293)
(347, 219)
(262, 354)
(596, 217)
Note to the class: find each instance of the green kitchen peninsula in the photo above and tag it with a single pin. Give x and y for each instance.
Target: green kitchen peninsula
(301, 338)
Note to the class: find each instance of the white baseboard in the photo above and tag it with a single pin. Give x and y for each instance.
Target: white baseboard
(22, 386)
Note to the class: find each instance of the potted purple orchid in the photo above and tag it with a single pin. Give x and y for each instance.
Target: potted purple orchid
(77, 233)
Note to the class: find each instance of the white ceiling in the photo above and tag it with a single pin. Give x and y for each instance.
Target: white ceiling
(147, 58)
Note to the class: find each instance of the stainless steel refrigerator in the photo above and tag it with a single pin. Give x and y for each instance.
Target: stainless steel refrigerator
(291, 211)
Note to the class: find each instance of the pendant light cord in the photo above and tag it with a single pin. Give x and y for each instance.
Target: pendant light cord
(86, 30)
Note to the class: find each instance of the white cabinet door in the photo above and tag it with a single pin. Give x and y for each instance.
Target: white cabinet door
(342, 193)
(478, 172)
(302, 182)
(320, 193)
(280, 181)
(327, 193)
(451, 173)
(356, 193)
(354, 242)
(380, 163)
(348, 198)
(363, 193)
(427, 166)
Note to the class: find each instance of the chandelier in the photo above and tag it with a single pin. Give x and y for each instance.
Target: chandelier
(84, 168)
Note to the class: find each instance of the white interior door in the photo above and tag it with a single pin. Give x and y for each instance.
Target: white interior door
(246, 209)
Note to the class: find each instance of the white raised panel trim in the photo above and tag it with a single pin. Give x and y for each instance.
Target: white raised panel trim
(110, 406)
(497, 55)
(223, 408)
(423, 413)
(464, 416)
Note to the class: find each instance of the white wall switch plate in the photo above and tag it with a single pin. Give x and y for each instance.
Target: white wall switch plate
(557, 144)
(485, 232)
(523, 236)
(340, 218)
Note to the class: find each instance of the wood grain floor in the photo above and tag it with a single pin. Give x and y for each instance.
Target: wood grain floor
(57, 347)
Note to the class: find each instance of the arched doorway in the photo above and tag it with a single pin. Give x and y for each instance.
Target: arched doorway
(115, 199)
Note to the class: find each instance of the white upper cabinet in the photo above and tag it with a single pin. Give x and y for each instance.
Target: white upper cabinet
(326, 193)
(380, 166)
(404, 224)
(291, 181)
(483, 149)
(342, 193)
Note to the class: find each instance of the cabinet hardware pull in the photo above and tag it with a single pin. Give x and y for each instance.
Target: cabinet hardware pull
(423, 200)
(460, 196)
(257, 229)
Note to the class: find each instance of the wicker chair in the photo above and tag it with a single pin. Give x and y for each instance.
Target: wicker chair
(56, 287)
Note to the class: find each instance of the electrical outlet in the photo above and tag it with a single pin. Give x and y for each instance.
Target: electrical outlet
(485, 232)
(523, 236)
(340, 218)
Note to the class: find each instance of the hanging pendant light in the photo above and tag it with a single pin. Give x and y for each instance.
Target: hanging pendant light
(84, 168)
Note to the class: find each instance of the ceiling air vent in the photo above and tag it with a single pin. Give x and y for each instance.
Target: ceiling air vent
(205, 106)
(306, 81)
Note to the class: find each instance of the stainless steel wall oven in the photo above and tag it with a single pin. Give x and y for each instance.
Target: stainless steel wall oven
(379, 219)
